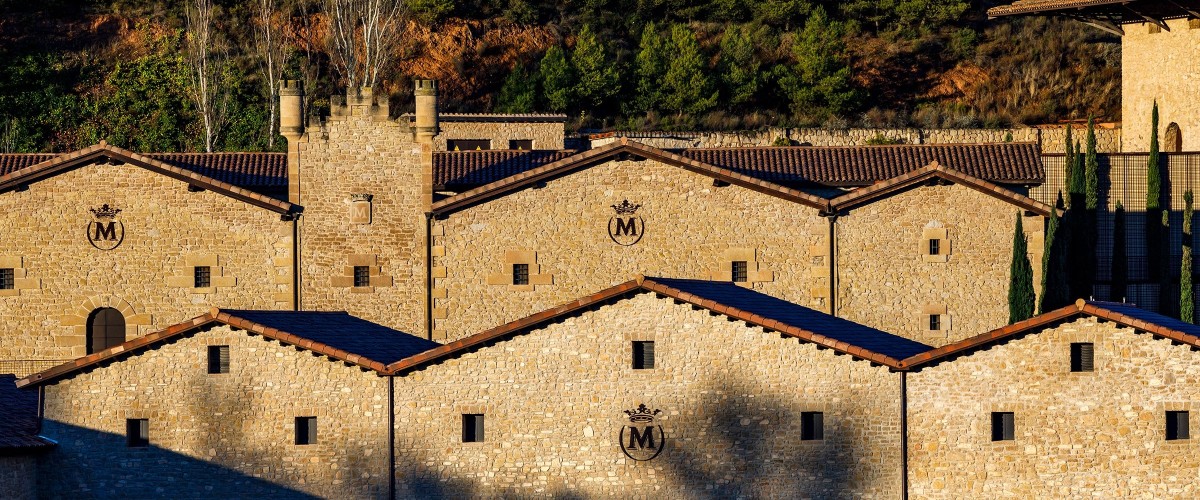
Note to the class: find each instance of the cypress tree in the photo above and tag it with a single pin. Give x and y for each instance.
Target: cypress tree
(1187, 302)
(1091, 169)
(1155, 217)
(1120, 264)
(1020, 286)
(1054, 279)
(1068, 165)
(1153, 173)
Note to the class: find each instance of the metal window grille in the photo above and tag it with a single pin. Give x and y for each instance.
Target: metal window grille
(1082, 357)
(472, 428)
(1003, 426)
(740, 271)
(1177, 425)
(935, 322)
(137, 432)
(520, 274)
(203, 277)
(935, 247)
(643, 355)
(812, 426)
(7, 279)
(218, 359)
(362, 276)
(306, 430)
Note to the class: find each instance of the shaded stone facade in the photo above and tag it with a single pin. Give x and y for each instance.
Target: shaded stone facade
(149, 277)
(1160, 66)
(18, 477)
(1077, 434)
(218, 435)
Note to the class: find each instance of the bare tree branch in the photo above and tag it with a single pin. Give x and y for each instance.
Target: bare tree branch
(363, 34)
(208, 60)
(268, 41)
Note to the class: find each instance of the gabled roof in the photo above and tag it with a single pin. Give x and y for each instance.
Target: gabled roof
(725, 298)
(337, 335)
(475, 168)
(257, 172)
(850, 166)
(1123, 314)
(18, 419)
(936, 171)
(54, 165)
(617, 150)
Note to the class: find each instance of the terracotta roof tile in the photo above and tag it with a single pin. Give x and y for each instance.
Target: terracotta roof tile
(258, 172)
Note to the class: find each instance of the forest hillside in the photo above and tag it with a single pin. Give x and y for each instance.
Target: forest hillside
(195, 75)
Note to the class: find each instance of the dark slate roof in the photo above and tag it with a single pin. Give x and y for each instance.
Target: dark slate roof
(771, 308)
(18, 418)
(342, 331)
(476, 168)
(1003, 163)
(253, 171)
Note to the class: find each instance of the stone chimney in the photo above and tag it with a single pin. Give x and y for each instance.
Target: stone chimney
(426, 113)
(291, 127)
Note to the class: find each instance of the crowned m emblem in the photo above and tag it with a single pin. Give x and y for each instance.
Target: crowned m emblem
(642, 439)
(105, 231)
(626, 228)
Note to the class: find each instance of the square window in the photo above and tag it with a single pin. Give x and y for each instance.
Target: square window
(1177, 425)
(218, 359)
(812, 426)
(137, 432)
(643, 355)
(521, 144)
(306, 430)
(203, 277)
(1003, 426)
(362, 276)
(520, 274)
(7, 278)
(472, 428)
(740, 271)
(1082, 358)
(935, 322)
(468, 144)
(935, 247)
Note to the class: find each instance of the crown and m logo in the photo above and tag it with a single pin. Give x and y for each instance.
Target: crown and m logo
(642, 439)
(105, 232)
(626, 227)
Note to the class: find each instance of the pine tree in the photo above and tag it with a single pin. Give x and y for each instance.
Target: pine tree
(650, 68)
(558, 80)
(519, 92)
(1187, 301)
(738, 66)
(1020, 286)
(599, 79)
(688, 88)
(1120, 263)
(819, 84)
(1054, 273)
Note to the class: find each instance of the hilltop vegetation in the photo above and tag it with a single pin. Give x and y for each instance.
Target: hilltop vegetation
(72, 73)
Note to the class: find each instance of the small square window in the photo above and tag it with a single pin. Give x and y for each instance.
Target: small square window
(306, 430)
(1177, 425)
(520, 274)
(1082, 358)
(643, 355)
(362, 276)
(203, 275)
(7, 278)
(740, 271)
(812, 426)
(521, 144)
(472, 428)
(1003, 426)
(137, 432)
(935, 247)
(218, 359)
(935, 322)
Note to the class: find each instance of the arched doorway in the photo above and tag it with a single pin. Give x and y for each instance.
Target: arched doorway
(105, 328)
(1173, 142)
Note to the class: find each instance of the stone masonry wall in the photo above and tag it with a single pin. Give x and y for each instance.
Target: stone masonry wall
(18, 477)
(692, 230)
(1162, 66)
(885, 281)
(62, 278)
(361, 154)
(731, 398)
(1084, 434)
(218, 435)
(547, 135)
